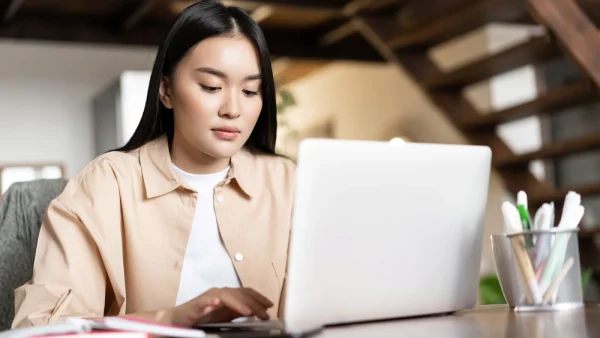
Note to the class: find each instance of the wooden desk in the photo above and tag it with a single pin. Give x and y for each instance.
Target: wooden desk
(487, 321)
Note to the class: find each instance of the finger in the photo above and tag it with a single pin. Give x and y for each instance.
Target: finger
(219, 315)
(208, 310)
(255, 307)
(202, 305)
(258, 308)
(236, 303)
(213, 304)
(264, 301)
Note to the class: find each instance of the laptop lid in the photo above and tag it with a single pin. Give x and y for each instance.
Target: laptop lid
(384, 231)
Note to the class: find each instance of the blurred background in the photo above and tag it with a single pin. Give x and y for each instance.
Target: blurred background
(520, 76)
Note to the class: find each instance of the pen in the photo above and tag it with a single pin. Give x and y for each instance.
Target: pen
(543, 221)
(572, 215)
(512, 222)
(548, 295)
(524, 217)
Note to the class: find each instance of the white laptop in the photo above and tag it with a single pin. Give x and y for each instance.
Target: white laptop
(384, 231)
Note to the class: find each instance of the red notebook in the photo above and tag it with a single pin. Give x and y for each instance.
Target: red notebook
(100, 334)
(107, 327)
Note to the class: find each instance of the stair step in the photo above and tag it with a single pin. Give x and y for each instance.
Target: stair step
(549, 103)
(535, 49)
(558, 195)
(589, 233)
(554, 150)
(446, 26)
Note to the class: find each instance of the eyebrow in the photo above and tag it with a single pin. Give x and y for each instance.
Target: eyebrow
(222, 75)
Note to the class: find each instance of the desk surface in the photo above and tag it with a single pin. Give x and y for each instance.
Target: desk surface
(486, 321)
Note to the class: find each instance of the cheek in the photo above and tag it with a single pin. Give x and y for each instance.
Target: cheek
(195, 105)
(252, 110)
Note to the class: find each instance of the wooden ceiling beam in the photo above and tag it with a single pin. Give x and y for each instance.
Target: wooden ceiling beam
(444, 26)
(71, 28)
(348, 28)
(357, 6)
(261, 8)
(11, 10)
(417, 13)
(301, 6)
(314, 4)
(142, 9)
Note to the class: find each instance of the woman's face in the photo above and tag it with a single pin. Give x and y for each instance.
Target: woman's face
(215, 96)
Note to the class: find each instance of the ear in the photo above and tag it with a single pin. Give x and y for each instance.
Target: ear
(164, 92)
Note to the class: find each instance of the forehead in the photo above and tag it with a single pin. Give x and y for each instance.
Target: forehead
(236, 56)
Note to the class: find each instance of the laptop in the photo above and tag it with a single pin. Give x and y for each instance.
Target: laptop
(383, 231)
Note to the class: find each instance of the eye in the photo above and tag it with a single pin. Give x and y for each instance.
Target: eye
(210, 89)
(250, 93)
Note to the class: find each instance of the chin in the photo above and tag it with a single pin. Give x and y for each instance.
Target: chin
(223, 151)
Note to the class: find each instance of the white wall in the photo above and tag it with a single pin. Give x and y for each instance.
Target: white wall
(134, 87)
(45, 94)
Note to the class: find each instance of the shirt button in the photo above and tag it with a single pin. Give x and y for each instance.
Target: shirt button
(219, 198)
(239, 256)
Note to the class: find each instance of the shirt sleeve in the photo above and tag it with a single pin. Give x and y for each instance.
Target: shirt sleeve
(70, 272)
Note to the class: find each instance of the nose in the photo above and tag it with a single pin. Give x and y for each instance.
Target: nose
(232, 106)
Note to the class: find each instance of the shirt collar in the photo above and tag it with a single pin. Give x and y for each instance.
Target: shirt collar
(160, 178)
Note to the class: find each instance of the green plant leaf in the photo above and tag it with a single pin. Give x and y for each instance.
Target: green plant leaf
(490, 291)
(585, 278)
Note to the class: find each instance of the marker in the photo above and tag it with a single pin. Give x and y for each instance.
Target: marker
(543, 221)
(552, 290)
(511, 218)
(572, 215)
(524, 217)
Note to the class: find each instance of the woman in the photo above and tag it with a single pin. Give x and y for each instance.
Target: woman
(189, 221)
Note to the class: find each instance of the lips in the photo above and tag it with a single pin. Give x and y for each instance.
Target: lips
(226, 133)
(227, 129)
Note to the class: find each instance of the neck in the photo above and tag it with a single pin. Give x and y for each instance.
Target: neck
(191, 160)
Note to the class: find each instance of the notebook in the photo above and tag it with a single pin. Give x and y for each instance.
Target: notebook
(113, 324)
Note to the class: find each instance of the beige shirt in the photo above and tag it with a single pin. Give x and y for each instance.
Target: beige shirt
(113, 242)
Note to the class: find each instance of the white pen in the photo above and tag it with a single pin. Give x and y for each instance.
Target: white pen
(572, 215)
(543, 220)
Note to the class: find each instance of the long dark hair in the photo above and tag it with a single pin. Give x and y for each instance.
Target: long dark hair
(204, 19)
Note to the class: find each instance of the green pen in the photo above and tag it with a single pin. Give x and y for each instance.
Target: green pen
(524, 216)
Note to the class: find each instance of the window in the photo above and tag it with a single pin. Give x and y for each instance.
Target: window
(10, 174)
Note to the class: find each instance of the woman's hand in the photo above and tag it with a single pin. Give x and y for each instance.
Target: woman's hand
(221, 305)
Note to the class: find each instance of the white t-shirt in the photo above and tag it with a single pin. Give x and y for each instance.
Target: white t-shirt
(206, 263)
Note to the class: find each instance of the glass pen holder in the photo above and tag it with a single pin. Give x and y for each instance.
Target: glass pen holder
(539, 270)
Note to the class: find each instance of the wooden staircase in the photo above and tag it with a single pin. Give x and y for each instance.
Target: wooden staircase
(569, 34)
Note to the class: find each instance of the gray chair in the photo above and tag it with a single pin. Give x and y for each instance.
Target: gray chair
(21, 214)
